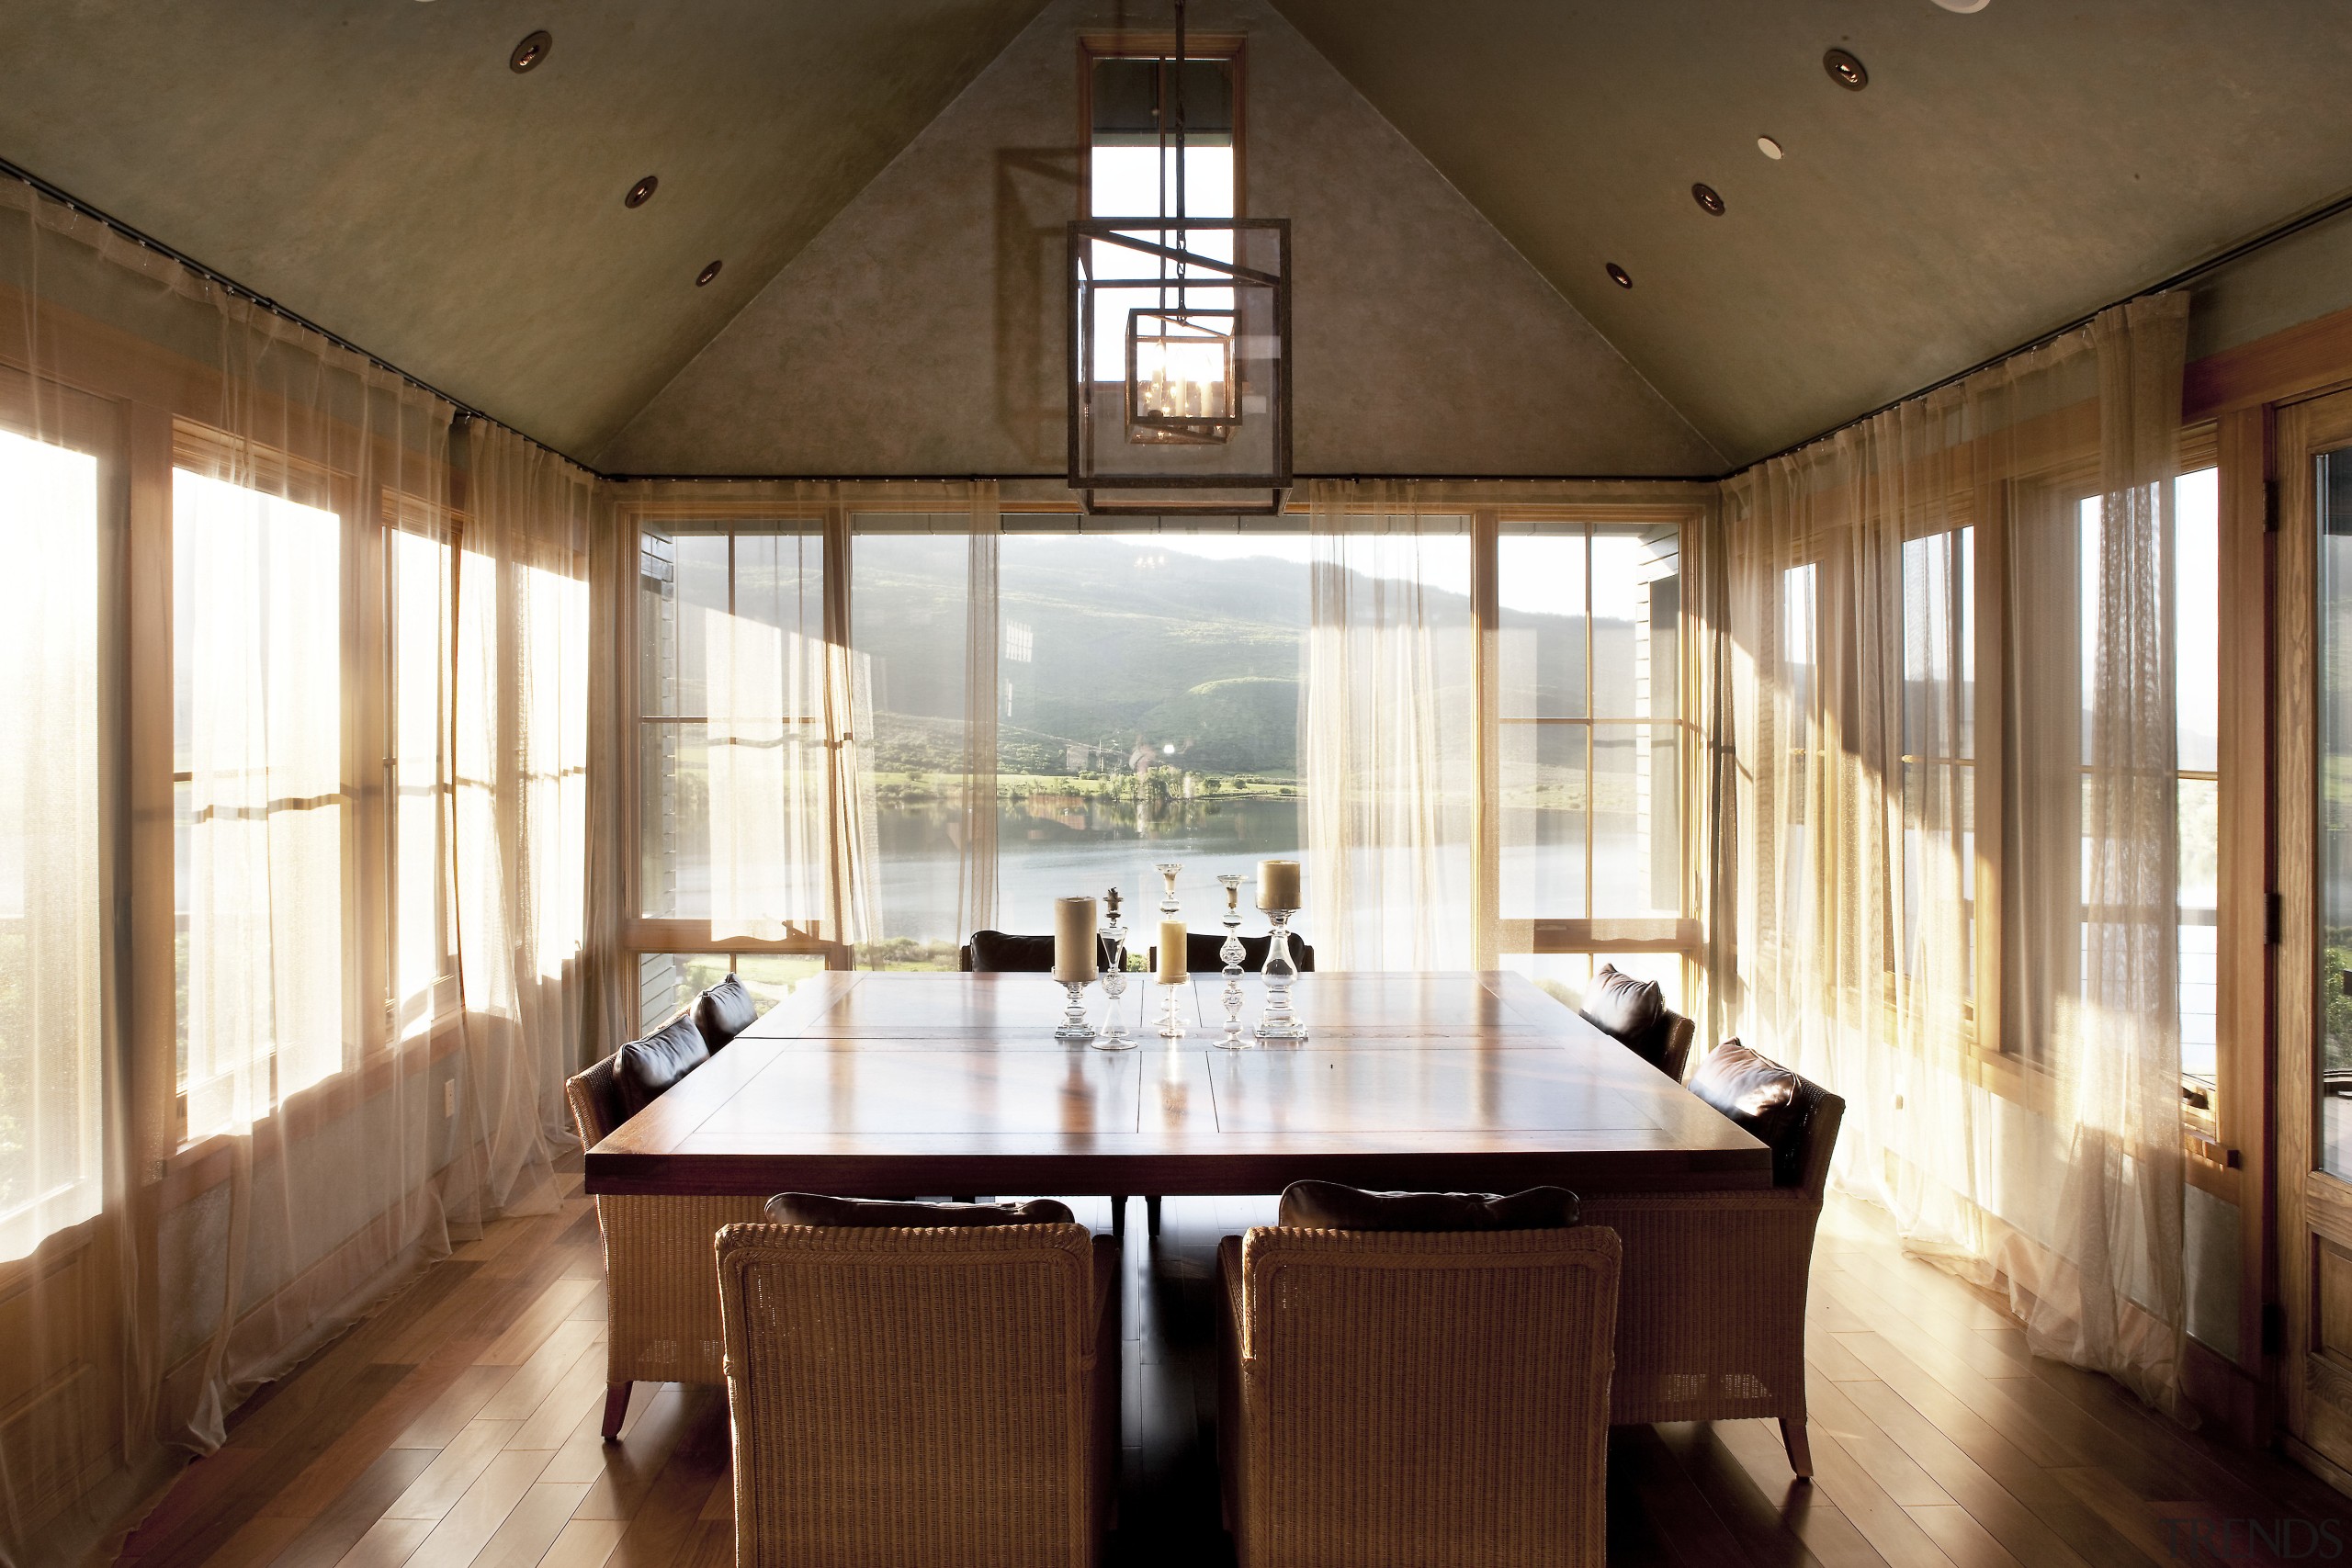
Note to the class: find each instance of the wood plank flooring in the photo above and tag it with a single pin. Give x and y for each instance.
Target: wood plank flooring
(458, 1429)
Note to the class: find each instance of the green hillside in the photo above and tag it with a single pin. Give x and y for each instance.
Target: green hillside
(1114, 644)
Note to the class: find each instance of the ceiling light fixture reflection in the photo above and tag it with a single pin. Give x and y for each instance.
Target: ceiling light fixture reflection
(1620, 277)
(706, 274)
(531, 51)
(1846, 70)
(1705, 196)
(642, 191)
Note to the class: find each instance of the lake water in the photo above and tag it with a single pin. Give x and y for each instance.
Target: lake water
(1051, 847)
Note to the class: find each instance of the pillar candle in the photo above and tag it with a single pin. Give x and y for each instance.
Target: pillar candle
(1278, 884)
(1074, 953)
(1172, 952)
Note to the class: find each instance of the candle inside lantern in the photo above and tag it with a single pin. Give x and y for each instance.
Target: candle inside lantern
(1172, 952)
(1074, 951)
(1278, 884)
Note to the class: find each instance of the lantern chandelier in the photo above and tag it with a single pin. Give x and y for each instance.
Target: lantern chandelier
(1193, 414)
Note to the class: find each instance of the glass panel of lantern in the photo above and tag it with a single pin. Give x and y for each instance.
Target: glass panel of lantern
(1179, 376)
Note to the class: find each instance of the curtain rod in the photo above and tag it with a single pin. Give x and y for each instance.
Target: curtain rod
(66, 199)
(1060, 475)
(2238, 251)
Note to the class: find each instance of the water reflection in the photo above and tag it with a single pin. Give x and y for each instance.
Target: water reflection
(1049, 845)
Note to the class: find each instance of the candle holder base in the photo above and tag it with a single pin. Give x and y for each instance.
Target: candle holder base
(1171, 1026)
(1278, 1022)
(1074, 1027)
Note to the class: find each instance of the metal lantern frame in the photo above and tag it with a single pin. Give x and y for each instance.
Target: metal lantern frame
(1142, 237)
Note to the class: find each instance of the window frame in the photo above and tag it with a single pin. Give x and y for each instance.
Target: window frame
(1594, 937)
(1232, 48)
(641, 933)
(378, 1024)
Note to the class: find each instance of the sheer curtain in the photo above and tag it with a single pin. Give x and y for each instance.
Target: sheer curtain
(1949, 648)
(1390, 732)
(54, 975)
(983, 642)
(520, 831)
(265, 1095)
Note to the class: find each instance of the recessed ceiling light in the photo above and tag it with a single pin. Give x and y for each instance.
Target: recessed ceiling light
(1845, 70)
(642, 191)
(1620, 277)
(1965, 7)
(531, 51)
(1705, 197)
(1770, 148)
(706, 274)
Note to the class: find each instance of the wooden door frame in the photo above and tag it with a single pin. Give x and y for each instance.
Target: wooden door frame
(2312, 1206)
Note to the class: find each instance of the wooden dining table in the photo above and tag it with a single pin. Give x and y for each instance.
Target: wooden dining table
(895, 1085)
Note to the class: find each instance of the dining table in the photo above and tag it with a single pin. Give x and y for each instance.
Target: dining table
(901, 1084)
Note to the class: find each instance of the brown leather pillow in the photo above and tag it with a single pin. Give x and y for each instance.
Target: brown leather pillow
(1329, 1206)
(643, 1069)
(863, 1214)
(1631, 1011)
(1773, 1104)
(1002, 953)
(724, 1011)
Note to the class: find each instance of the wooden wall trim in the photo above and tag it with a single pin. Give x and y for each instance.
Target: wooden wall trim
(2243, 980)
(2295, 362)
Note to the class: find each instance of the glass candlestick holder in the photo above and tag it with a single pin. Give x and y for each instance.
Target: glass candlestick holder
(1171, 1026)
(1114, 1035)
(1231, 954)
(1074, 1025)
(1168, 905)
(1278, 1022)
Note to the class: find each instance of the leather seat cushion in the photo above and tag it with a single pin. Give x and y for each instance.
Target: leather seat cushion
(815, 1209)
(1632, 1011)
(1328, 1205)
(724, 1011)
(1774, 1105)
(643, 1069)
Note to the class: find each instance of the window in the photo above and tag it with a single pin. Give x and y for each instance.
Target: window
(1592, 740)
(2197, 667)
(732, 809)
(1158, 719)
(423, 973)
(2197, 726)
(1132, 171)
(258, 670)
(1940, 756)
(51, 836)
(668, 982)
(909, 591)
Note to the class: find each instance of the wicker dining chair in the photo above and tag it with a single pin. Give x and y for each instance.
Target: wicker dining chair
(1395, 1398)
(1711, 1320)
(660, 1297)
(918, 1398)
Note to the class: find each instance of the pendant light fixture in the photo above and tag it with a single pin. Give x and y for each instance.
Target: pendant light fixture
(1194, 415)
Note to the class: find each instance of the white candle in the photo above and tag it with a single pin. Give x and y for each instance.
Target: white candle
(1074, 951)
(1278, 884)
(1172, 952)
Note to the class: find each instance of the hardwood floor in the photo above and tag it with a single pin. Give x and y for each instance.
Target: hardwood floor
(458, 1429)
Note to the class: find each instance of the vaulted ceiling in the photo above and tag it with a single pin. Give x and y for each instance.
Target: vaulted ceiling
(376, 166)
